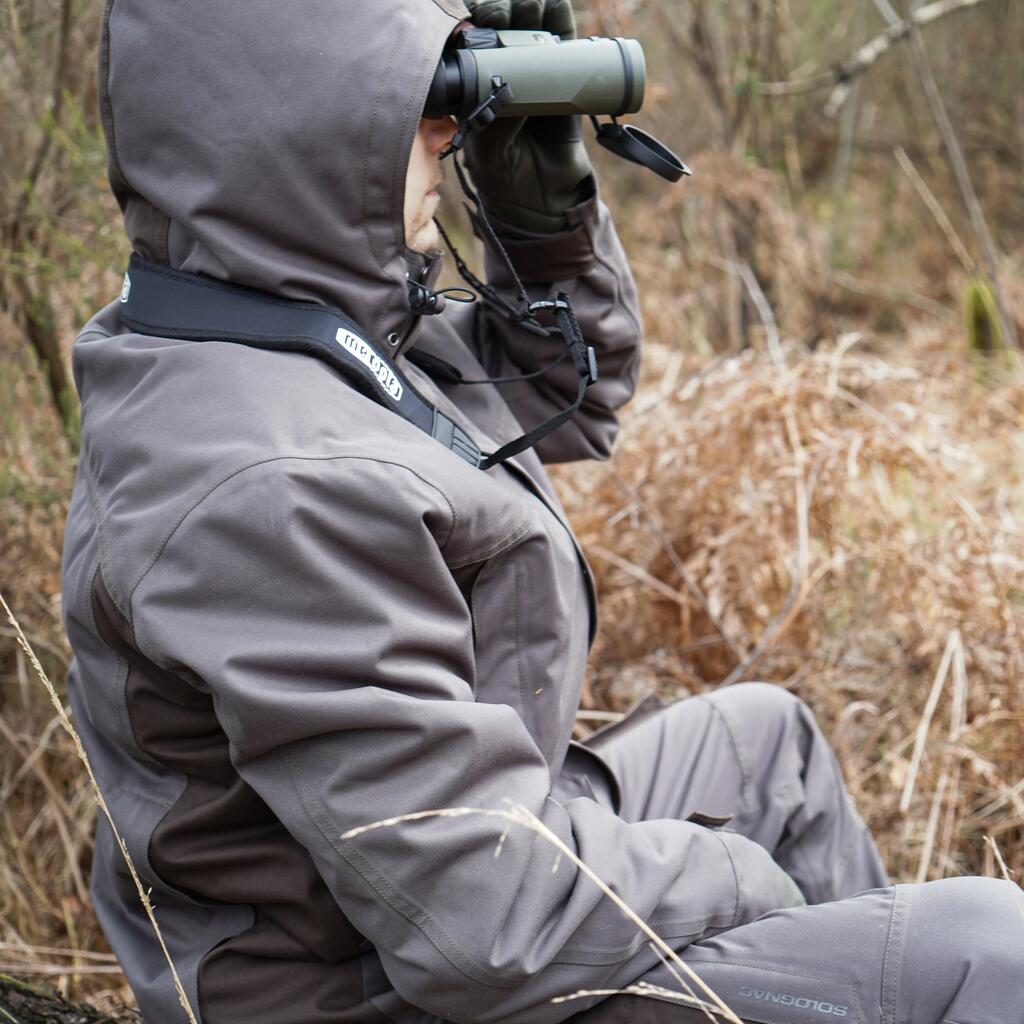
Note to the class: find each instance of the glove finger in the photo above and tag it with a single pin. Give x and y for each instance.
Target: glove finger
(490, 13)
(559, 19)
(496, 144)
(492, 150)
(527, 14)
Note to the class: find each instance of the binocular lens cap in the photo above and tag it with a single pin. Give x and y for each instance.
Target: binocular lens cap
(641, 148)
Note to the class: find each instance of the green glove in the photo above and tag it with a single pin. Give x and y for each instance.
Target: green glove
(529, 171)
(548, 15)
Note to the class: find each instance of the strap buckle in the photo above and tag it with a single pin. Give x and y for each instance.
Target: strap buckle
(561, 304)
(549, 305)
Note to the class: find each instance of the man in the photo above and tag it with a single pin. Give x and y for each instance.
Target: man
(295, 613)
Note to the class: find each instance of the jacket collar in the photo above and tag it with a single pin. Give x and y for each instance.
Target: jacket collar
(426, 269)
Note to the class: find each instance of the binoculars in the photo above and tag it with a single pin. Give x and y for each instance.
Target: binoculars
(546, 76)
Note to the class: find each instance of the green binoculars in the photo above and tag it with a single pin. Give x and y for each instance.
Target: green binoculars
(546, 76)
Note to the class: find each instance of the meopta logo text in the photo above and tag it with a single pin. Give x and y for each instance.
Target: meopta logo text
(384, 374)
(785, 999)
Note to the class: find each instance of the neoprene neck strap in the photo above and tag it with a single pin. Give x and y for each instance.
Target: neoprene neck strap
(167, 303)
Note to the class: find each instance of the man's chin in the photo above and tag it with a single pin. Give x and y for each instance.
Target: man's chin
(427, 240)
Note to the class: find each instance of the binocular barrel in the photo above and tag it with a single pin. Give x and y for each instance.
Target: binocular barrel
(547, 76)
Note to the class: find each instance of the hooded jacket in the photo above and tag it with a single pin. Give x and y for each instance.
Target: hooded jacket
(294, 614)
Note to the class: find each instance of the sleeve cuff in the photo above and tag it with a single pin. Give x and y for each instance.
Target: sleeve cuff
(541, 259)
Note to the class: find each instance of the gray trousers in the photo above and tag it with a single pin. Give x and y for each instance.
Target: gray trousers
(947, 952)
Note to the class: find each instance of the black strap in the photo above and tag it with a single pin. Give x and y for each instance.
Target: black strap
(489, 294)
(524, 313)
(477, 121)
(171, 304)
(585, 361)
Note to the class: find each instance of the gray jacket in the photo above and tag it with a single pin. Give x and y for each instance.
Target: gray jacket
(293, 613)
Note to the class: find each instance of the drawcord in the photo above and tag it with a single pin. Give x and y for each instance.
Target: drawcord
(524, 313)
(486, 291)
(584, 359)
(426, 302)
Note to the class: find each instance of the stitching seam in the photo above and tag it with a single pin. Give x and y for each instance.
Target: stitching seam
(497, 548)
(516, 641)
(891, 959)
(735, 876)
(745, 767)
(282, 458)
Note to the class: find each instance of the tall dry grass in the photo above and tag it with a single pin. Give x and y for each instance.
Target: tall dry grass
(821, 485)
(48, 931)
(831, 523)
(841, 516)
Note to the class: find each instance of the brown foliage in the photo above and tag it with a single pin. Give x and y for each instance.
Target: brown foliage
(834, 519)
(828, 524)
(36, 1005)
(46, 810)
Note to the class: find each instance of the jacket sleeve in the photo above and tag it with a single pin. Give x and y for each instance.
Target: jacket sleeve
(313, 599)
(588, 263)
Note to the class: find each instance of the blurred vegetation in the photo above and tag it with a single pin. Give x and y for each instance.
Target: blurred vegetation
(819, 483)
(58, 236)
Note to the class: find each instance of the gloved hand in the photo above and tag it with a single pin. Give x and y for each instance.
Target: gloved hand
(529, 171)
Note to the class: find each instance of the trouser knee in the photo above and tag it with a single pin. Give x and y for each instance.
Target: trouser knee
(763, 700)
(979, 918)
(774, 729)
(764, 710)
(963, 955)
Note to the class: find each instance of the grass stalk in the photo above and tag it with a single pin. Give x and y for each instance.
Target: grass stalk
(519, 815)
(65, 721)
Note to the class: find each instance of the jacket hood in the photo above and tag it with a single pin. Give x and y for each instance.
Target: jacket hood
(266, 143)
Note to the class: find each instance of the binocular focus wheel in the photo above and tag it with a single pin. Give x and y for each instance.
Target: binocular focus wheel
(641, 148)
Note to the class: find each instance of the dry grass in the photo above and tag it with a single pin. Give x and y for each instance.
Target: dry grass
(516, 815)
(845, 520)
(64, 718)
(46, 808)
(830, 524)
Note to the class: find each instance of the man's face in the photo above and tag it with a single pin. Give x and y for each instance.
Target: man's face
(422, 180)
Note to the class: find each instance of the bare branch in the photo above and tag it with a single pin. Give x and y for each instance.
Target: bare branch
(744, 273)
(886, 292)
(936, 210)
(839, 78)
(56, 108)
